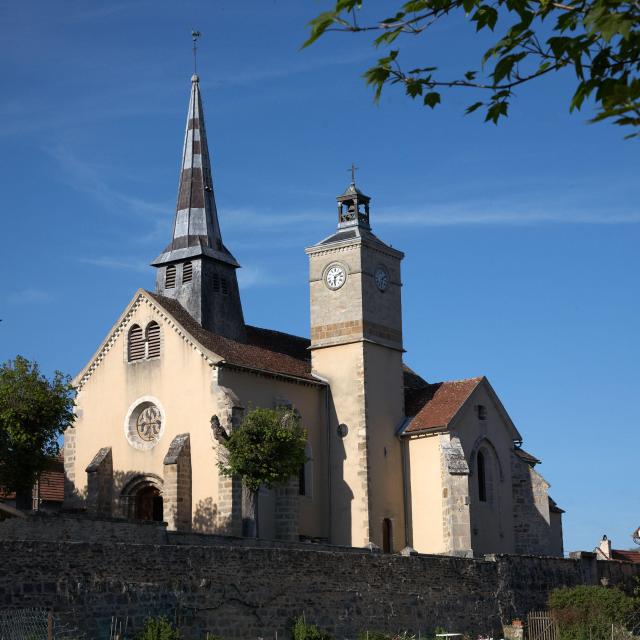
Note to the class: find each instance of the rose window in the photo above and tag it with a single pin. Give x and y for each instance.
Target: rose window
(144, 423)
(148, 423)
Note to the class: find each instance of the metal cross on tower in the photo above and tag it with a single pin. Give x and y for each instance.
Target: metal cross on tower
(195, 35)
(353, 173)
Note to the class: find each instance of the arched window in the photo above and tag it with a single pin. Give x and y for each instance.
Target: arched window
(135, 344)
(305, 474)
(387, 536)
(170, 277)
(153, 340)
(484, 462)
(187, 272)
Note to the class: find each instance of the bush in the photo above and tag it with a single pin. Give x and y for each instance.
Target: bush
(587, 612)
(303, 631)
(158, 629)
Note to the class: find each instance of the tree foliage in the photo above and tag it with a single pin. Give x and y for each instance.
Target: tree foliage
(158, 629)
(587, 612)
(34, 412)
(302, 630)
(266, 449)
(597, 40)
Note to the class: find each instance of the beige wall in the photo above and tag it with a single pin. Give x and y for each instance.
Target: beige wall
(384, 401)
(185, 385)
(180, 382)
(425, 478)
(255, 390)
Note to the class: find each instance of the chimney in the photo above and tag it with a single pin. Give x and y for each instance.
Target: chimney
(605, 547)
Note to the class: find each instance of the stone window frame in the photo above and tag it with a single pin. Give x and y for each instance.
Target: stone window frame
(136, 407)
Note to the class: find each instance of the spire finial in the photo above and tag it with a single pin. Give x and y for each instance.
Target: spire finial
(353, 173)
(195, 35)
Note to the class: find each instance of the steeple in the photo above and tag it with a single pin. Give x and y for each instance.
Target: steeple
(196, 230)
(195, 267)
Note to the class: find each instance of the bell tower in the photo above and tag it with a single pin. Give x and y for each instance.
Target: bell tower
(196, 268)
(356, 345)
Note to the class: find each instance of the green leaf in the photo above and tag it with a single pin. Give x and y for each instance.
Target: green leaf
(473, 107)
(431, 99)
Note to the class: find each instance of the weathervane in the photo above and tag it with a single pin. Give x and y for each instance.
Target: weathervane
(353, 173)
(195, 35)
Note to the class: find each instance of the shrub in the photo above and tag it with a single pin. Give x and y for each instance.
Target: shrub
(158, 629)
(303, 631)
(587, 612)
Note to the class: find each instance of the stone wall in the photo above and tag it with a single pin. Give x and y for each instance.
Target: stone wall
(244, 591)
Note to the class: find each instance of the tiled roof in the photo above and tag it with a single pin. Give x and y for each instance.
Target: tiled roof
(433, 406)
(526, 456)
(51, 482)
(553, 506)
(625, 556)
(269, 351)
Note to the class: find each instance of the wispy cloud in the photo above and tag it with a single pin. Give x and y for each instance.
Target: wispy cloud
(81, 176)
(261, 276)
(107, 262)
(29, 296)
(467, 215)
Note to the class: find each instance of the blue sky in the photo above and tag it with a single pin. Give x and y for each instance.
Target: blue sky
(521, 240)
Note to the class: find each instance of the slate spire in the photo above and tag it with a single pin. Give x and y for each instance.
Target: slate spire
(195, 268)
(196, 230)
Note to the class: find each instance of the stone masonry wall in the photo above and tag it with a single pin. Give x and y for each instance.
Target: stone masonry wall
(248, 592)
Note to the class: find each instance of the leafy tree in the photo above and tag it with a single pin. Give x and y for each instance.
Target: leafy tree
(267, 449)
(597, 40)
(158, 629)
(587, 612)
(301, 630)
(34, 411)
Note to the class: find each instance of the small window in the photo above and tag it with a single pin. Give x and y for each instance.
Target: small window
(482, 412)
(187, 272)
(153, 340)
(387, 536)
(224, 287)
(170, 277)
(482, 478)
(135, 345)
(216, 283)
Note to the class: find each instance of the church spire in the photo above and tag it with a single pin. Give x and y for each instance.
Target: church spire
(195, 267)
(196, 230)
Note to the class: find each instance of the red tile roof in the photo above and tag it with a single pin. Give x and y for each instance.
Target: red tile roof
(434, 405)
(625, 556)
(269, 351)
(51, 482)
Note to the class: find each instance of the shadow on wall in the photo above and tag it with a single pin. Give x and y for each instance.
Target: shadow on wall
(205, 516)
(341, 498)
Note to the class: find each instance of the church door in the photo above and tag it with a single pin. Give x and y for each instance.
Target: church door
(149, 504)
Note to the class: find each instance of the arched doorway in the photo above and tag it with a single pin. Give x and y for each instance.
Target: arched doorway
(148, 504)
(142, 498)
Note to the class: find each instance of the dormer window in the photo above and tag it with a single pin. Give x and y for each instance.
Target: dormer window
(170, 277)
(187, 272)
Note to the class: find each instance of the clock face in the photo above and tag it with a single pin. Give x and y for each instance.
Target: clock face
(382, 278)
(335, 276)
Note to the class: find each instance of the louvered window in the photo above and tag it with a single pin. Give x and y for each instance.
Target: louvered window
(187, 272)
(216, 283)
(153, 340)
(170, 277)
(225, 288)
(135, 346)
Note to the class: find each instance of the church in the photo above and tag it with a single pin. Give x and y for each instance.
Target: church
(394, 462)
